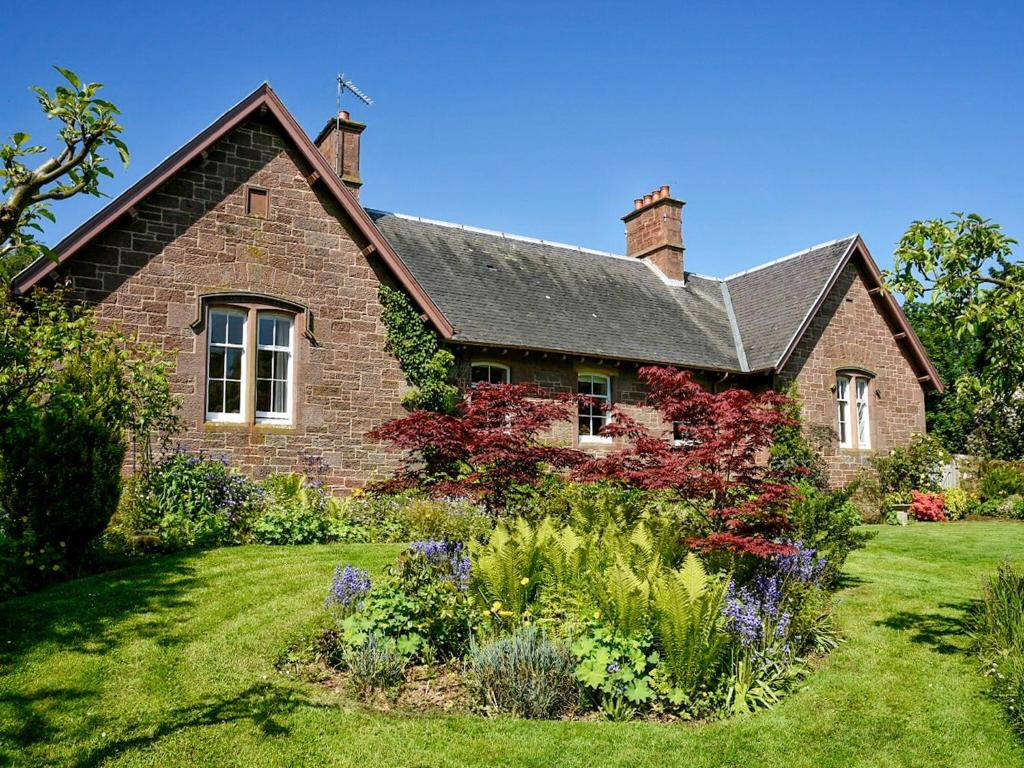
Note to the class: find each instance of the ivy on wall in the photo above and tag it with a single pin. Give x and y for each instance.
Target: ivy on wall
(426, 365)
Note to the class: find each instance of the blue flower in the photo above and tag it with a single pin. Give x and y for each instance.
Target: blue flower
(449, 556)
(348, 587)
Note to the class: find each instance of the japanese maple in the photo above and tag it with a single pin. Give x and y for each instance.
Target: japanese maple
(488, 448)
(718, 456)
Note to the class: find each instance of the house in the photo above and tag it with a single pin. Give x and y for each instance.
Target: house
(247, 254)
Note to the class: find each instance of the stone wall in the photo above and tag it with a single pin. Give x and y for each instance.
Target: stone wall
(193, 237)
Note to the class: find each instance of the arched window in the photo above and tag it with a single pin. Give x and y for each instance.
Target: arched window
(488, 373)
(853, 409)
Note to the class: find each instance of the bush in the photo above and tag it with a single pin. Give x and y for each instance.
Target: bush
(959, 503)
(796, 455)
(829, 523)
(446, 519)
(927, 507)
(997, 629)
(891, 479)
(1000, 481)
(196, 501)
(524, 674)
(296, 511)
(375, 664)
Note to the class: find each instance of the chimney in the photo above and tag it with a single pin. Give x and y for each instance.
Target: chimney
(654, 231)
(338, 142)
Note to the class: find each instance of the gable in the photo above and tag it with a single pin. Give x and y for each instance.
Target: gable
(264, 104)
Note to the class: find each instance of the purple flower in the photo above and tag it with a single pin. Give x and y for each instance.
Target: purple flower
(348, 587)
(803, 565)
(449, 556)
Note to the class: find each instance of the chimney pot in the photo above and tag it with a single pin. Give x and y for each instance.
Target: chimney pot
(343, 114)
(664, 190)
(638, 204)
(648, 198)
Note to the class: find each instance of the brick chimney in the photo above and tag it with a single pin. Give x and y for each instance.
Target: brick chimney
(341, 137)
(654, 231)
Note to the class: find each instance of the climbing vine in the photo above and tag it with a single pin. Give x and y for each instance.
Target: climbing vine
(426, 365)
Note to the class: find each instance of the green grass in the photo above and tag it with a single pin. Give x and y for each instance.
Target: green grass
(171, 663)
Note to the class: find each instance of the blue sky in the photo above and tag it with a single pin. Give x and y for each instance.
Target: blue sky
(781, 124)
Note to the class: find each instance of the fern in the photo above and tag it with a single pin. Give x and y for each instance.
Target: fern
(515, 552)
(624, 596)
(689, 628)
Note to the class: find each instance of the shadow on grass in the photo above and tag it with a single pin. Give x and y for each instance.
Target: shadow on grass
(263, 705)
(945, 632)
(96, 613)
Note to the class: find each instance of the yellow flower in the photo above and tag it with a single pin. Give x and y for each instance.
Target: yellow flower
(486, 613)
(63, 544)
(357, 492)
(597, 614)
(505, 613)
(497, 606)
(524, 581)
(56, 567)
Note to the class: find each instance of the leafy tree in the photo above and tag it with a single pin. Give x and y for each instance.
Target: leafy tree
(488, 449)
(964, 267)
(963, 418)
(88, 127)
(724, 435)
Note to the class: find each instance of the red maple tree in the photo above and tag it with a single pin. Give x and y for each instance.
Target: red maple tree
(718, 457)
(486, 450)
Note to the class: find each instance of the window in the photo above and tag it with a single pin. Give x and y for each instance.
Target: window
(257, 202)
(854, 425)
(225, 365)
(273, 367)
(250, 365)
(863, 413)
(592, 416)
(490, 373)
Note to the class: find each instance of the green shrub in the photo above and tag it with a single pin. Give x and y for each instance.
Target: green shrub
(797, 453)
(1000, 481)
(447, 519)
(524, 674)
(374, 665)
(914, 467)
(196, 501)
(959, 503)
(296, 511)
(997, 629)
(829, 523)
(616, 672)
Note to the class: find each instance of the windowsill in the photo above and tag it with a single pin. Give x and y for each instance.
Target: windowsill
(595, 439)
(259, 426)
(847, 450)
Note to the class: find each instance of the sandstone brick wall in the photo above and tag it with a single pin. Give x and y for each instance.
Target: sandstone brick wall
(849, 332)
(193, 237)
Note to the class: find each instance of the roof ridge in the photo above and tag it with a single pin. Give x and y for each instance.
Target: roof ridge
(794, 255)
(506, 235)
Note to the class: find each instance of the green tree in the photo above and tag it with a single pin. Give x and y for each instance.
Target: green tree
(964, 268)
(88, 127)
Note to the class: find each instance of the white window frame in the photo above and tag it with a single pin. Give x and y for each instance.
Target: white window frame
(862, 398)
(274, 417)
(844, 422)
(490, 366)
(243, 409)
(593, 378)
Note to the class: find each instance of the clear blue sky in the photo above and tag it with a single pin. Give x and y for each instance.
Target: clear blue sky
(781, 125)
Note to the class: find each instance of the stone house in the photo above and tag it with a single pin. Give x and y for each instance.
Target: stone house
(247, 254)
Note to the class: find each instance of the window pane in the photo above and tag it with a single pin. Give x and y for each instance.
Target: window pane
(266, 331)
(283, 332)
(233, 368)
(263, 395)
(479, 373)
(215, 397)
(584, 425)
(264, 362)
(281, 365)
(232, 397)
(218, 327)
(216, 362)
(280, 397)
(235, 322)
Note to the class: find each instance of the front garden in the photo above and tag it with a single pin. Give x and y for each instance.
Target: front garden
(172, 662)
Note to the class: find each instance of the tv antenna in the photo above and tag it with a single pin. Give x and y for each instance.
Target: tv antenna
(345, 85)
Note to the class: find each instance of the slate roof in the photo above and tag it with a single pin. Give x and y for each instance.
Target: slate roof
(502, 290)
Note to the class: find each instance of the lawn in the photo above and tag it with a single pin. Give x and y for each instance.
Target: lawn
(171, 663)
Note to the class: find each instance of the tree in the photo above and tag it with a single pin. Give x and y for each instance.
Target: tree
(723, 438)
(963, 419)
(88, 126)
(964, 268)
(487, 449)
